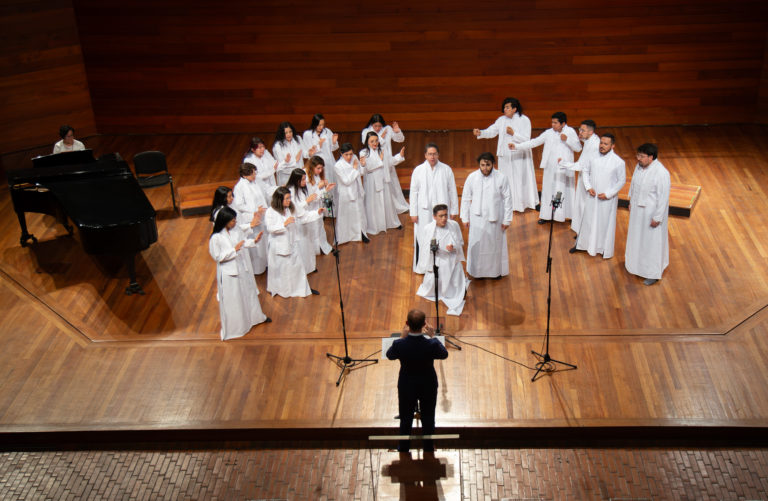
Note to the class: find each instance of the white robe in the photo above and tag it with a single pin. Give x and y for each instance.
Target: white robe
(605, 174)
(385, 142)
(316, 229)
(60, 147)
(237, 292)
(306, 243)
(248, 197)
(350, 214)
(265, 168)
(312, 138)
(556, 179)
(647, 252)
(517, 165)
(430, 187)
(286, 275)
(284, 169)
(380, 212)
(590, 150)
(486, 204)
(453, 282)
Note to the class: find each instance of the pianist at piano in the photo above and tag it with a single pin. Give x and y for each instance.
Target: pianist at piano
(68, 141)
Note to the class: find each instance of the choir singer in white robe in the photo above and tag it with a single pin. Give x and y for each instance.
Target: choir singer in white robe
(453, 283)
(647, 252)
(517, 165)
(351, 223)
(380, 209)
(286, 275)
(486, 208)
(325, 141)
(387, 134)
(560, 142)
(250, 204)
(237, 292)
(589, 151)
(432, 183)
(603, 177)
(288, 151)
(265, 163)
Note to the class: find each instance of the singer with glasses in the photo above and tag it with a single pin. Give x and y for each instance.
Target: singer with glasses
(446, 248)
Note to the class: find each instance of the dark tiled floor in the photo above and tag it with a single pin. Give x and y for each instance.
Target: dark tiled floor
(346, 474)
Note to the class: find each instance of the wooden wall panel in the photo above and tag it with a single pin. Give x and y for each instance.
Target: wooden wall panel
(42, 77)
(245, 65)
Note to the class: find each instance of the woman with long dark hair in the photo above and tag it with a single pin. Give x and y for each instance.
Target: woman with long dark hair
(350, 216)
(317, 184)
(286, 274)
(387, 134)
(237, 291)
(301, 198)
(321, 137)
(288, 152)
(380, 210)
(250, 204)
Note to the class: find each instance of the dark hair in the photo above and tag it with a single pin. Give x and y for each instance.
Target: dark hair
(486, 156)
(310, 168)
(589, 123)
(315, 121)
(277, 199)
(560, 116)
(345, 148)
(294, 181)
(431, 145)
(376, 118)
(280, 136)
(225, 215)
(611, 137)
(255, 142)
(649, 149)
(369, 135)
(219, 199)
(416, 320)
(246, 169)
(515, 104)
(437, 208)
(64, 130)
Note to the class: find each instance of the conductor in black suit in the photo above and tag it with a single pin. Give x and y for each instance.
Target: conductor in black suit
(418, 380)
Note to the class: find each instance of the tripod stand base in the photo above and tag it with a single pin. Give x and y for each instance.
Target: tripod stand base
(548, 364)
(345, 363)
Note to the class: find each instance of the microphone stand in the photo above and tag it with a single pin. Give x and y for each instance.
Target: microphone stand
(545, 363)
(433, 247)
(346, 362)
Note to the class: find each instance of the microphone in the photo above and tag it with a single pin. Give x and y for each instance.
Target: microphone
(557, 200)
(433, 245)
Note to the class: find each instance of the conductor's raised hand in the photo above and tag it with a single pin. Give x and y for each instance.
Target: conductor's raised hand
(429, 330)
(405, 331)
(289, 221)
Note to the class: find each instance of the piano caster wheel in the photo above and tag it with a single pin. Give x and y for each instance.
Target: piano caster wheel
(26, 238)
(134, 288)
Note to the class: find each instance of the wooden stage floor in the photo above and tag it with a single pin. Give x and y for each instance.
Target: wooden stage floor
(690, 351)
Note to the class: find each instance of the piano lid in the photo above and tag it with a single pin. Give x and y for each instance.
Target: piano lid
(65, 158)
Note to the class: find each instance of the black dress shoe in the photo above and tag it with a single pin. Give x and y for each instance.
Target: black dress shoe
(313, 291)
(543, 221)
(573, 250)
(268, 321)
(650, 281)
(575, 237)
(366, 239)
(314, 271)
(399, 227)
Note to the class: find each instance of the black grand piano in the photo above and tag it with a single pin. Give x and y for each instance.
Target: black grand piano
(101, 197)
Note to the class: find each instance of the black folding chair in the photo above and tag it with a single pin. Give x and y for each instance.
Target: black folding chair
(152, 171)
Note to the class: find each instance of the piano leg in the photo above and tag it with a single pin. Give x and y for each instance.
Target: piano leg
(25, 235)
(133, 287)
